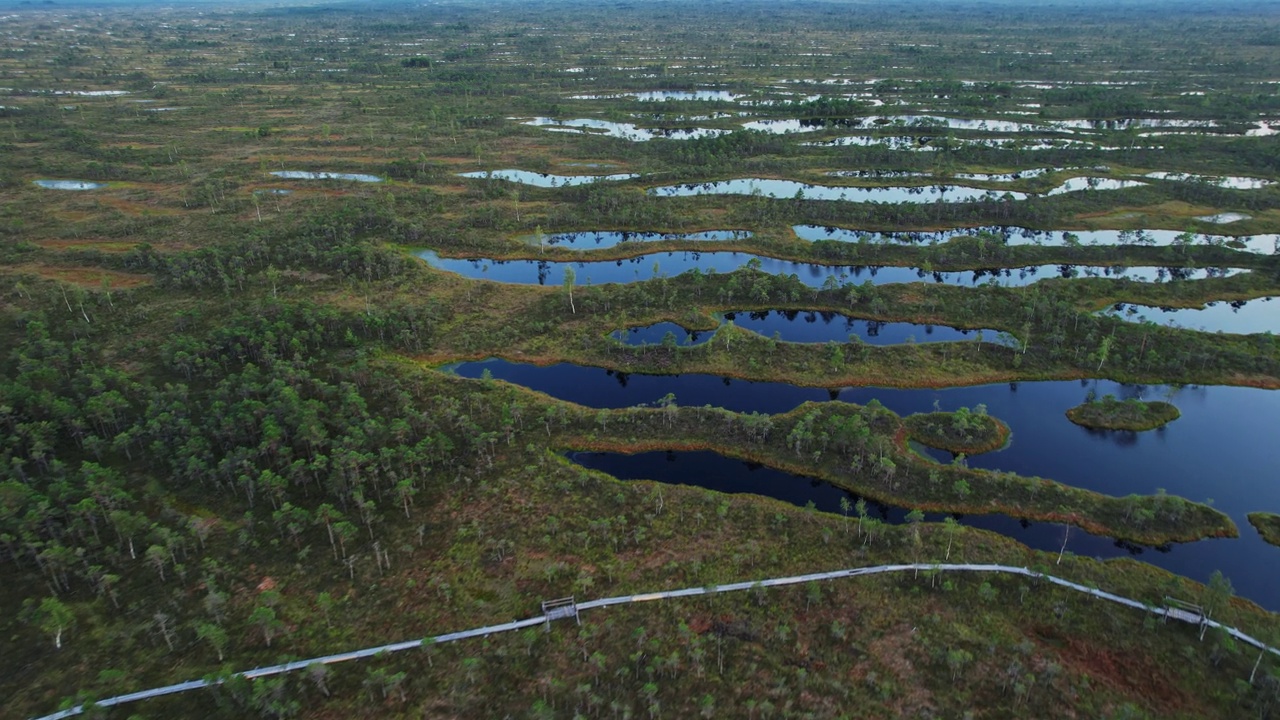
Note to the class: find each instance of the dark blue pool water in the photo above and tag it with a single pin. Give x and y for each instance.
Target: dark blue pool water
(601, 239)
(669, 264)
(728, 475)
(1223, 447)
(1012, 235)
(807, 327)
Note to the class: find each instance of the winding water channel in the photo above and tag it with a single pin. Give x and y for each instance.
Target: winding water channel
(806, 327)
(669, 264)
(1014, 236)
(600, 239)
(1254, 316)
(546, 180)
(1221, 448)
(792, 189)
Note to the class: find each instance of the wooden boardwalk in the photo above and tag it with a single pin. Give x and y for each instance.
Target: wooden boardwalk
(560, 609)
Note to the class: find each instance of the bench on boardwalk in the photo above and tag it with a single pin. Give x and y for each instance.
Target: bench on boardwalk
(560, 608)
(1189, 612)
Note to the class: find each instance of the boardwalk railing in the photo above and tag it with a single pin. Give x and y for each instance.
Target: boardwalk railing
(1176, 613)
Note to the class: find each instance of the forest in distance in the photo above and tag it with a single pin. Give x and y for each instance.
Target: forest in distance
(331, 327)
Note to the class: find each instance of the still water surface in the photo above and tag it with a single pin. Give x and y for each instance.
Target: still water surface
(1011, 235)
(68, 184)
(791, 189)
(1222, 447)
(806, 327)
(1254, 316)
(600, 239)
(668, 264)
(308, 175)
(546, 180)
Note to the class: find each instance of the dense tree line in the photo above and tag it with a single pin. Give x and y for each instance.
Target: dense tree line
(97, 465)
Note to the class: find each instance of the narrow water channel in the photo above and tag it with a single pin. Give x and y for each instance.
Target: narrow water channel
(1015, 236)
(1254, 316)
(807, 327)
(720, 473)
(792, 189)
(670, 264)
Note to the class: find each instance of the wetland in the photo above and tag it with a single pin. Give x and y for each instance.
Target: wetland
(523, 301)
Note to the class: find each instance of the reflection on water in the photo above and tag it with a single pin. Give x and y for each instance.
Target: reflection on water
(878, 174)
(600, 239)
(663, 95)
(546, 180)
(624, 131)
(1077, 184)
(668, 264)
(1013, 236)
(793, 189)
(1233, 182)
(306, 175)
(941, 192)
(68, 184)
(1007, 177)
(1224, 218)
(807, 327)
(1243, 317)
(719, 473)
(1219, 448)
(930, 144)
(800, 125)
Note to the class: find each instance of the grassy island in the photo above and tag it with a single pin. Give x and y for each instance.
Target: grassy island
(859, 448)
(1112, 414)
(1268, 526)
(963, 431)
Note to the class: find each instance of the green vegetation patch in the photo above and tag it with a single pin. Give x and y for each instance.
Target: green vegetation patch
(1112, 414)
(1268, 526)
(963, 431)
(862, 449)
